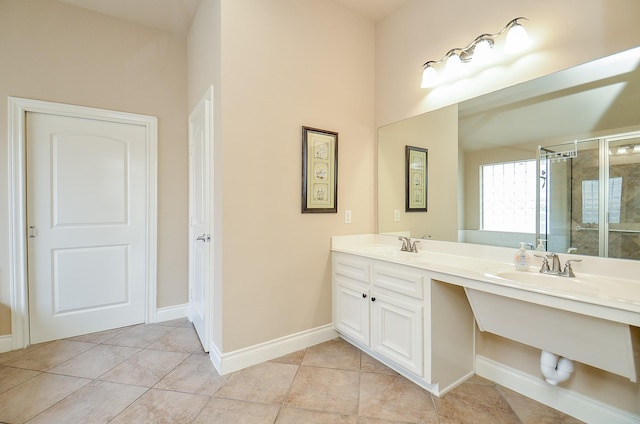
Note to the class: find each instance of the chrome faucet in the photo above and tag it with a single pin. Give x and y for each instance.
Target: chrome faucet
(408, 246)
(555, 263)
(567, 271)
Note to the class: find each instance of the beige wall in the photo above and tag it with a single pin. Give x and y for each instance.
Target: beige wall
(437, 132)
(60, 53)
(565, 34)
(281, 65)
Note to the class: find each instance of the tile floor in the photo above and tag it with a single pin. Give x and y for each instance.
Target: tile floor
(160, 374)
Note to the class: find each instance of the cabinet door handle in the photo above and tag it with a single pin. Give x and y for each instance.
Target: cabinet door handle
(364, 295)
(373, 299)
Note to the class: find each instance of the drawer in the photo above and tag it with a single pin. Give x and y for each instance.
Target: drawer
(399, 279)
(352, 267)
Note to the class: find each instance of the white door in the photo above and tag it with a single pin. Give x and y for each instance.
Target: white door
(200, 145)
(351, 309)
(397, 330)
(86, 212)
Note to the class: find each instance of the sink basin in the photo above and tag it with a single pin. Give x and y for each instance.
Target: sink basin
(600, 286)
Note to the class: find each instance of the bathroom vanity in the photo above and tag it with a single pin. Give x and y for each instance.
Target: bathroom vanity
(415, 311)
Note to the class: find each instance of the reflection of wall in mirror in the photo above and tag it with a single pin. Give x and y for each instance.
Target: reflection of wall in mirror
(437, 132)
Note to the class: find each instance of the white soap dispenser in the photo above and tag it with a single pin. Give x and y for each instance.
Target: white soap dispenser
(522, 258)
(540, 247)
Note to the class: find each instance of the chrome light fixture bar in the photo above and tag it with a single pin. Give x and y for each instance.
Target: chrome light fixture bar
(478, 51)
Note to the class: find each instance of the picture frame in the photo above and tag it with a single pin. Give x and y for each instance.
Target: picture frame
(319, 171)
(416, 171)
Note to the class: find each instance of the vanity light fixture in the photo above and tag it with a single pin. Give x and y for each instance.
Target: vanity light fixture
(479, 51)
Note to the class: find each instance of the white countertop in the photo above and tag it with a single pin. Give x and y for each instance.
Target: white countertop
(603, 287)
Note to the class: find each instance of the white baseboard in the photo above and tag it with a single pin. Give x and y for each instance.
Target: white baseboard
(252, 355)
(570, 402)
(6, 343)
(169, 313)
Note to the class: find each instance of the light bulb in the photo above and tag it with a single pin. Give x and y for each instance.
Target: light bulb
(622, 150)
(429, 77)
(482, 52)
(636, 148)
(454, 65)
(517, 39)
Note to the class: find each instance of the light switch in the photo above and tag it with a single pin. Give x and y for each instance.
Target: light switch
(396, 215)
(347, 217)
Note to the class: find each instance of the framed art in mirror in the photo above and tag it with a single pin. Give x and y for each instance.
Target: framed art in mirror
(416, 179)
(319, 171)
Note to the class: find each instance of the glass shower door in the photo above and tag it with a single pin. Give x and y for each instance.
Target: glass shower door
(587, 185)
(623, 206)
(569, 202)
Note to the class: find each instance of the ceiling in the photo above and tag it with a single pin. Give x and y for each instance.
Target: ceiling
(176, 15)
(584, 100)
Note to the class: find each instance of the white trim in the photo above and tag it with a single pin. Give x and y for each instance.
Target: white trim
(18, 284)
(256, 354)
(6, 343)
(570, 402)
(169, 313)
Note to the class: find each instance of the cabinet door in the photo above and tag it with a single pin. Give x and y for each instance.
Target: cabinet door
(351, 310)
(397, 330)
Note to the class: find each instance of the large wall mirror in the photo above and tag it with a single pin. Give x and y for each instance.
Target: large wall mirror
(555, 159)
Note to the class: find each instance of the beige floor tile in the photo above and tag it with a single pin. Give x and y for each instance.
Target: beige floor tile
(12, 354)
(395, 398)
(265, 383)
(195, 375)
(294, 358)
(372, 365)
(180, 322)
(335, 353)
(368, 420)
(474, 403)
(145, 368)
(139, 335)
(99, 337)
(25, 401)
(325, 389)
(297, 416)
(50, 355)
(180, 339)
(11, 377)
(531, 412)
(161, 406)
(97, 402)
(228, 411)
(95, 361)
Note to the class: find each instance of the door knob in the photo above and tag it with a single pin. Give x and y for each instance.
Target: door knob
(204, 238)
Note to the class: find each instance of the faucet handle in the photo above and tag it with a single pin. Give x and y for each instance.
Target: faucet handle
(414, 247)
(545, 263)
(568, 271)
(405, 243)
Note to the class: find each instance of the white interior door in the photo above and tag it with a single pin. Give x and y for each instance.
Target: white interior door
(86, 212)
(200, 145)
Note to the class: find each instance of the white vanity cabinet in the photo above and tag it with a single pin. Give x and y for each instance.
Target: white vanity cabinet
(418, 326)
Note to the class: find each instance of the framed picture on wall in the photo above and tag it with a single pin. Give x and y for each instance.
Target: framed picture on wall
(416, 179)
(319, 171)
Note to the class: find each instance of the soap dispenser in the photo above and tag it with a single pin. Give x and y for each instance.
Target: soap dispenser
(540, 247)
(522, 258)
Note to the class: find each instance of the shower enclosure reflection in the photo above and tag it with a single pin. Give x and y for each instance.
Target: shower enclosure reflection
(589, 197)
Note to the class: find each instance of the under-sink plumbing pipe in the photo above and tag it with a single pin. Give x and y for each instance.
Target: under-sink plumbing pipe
(555, 368)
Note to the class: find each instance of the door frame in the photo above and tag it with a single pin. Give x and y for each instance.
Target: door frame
(18, 278)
